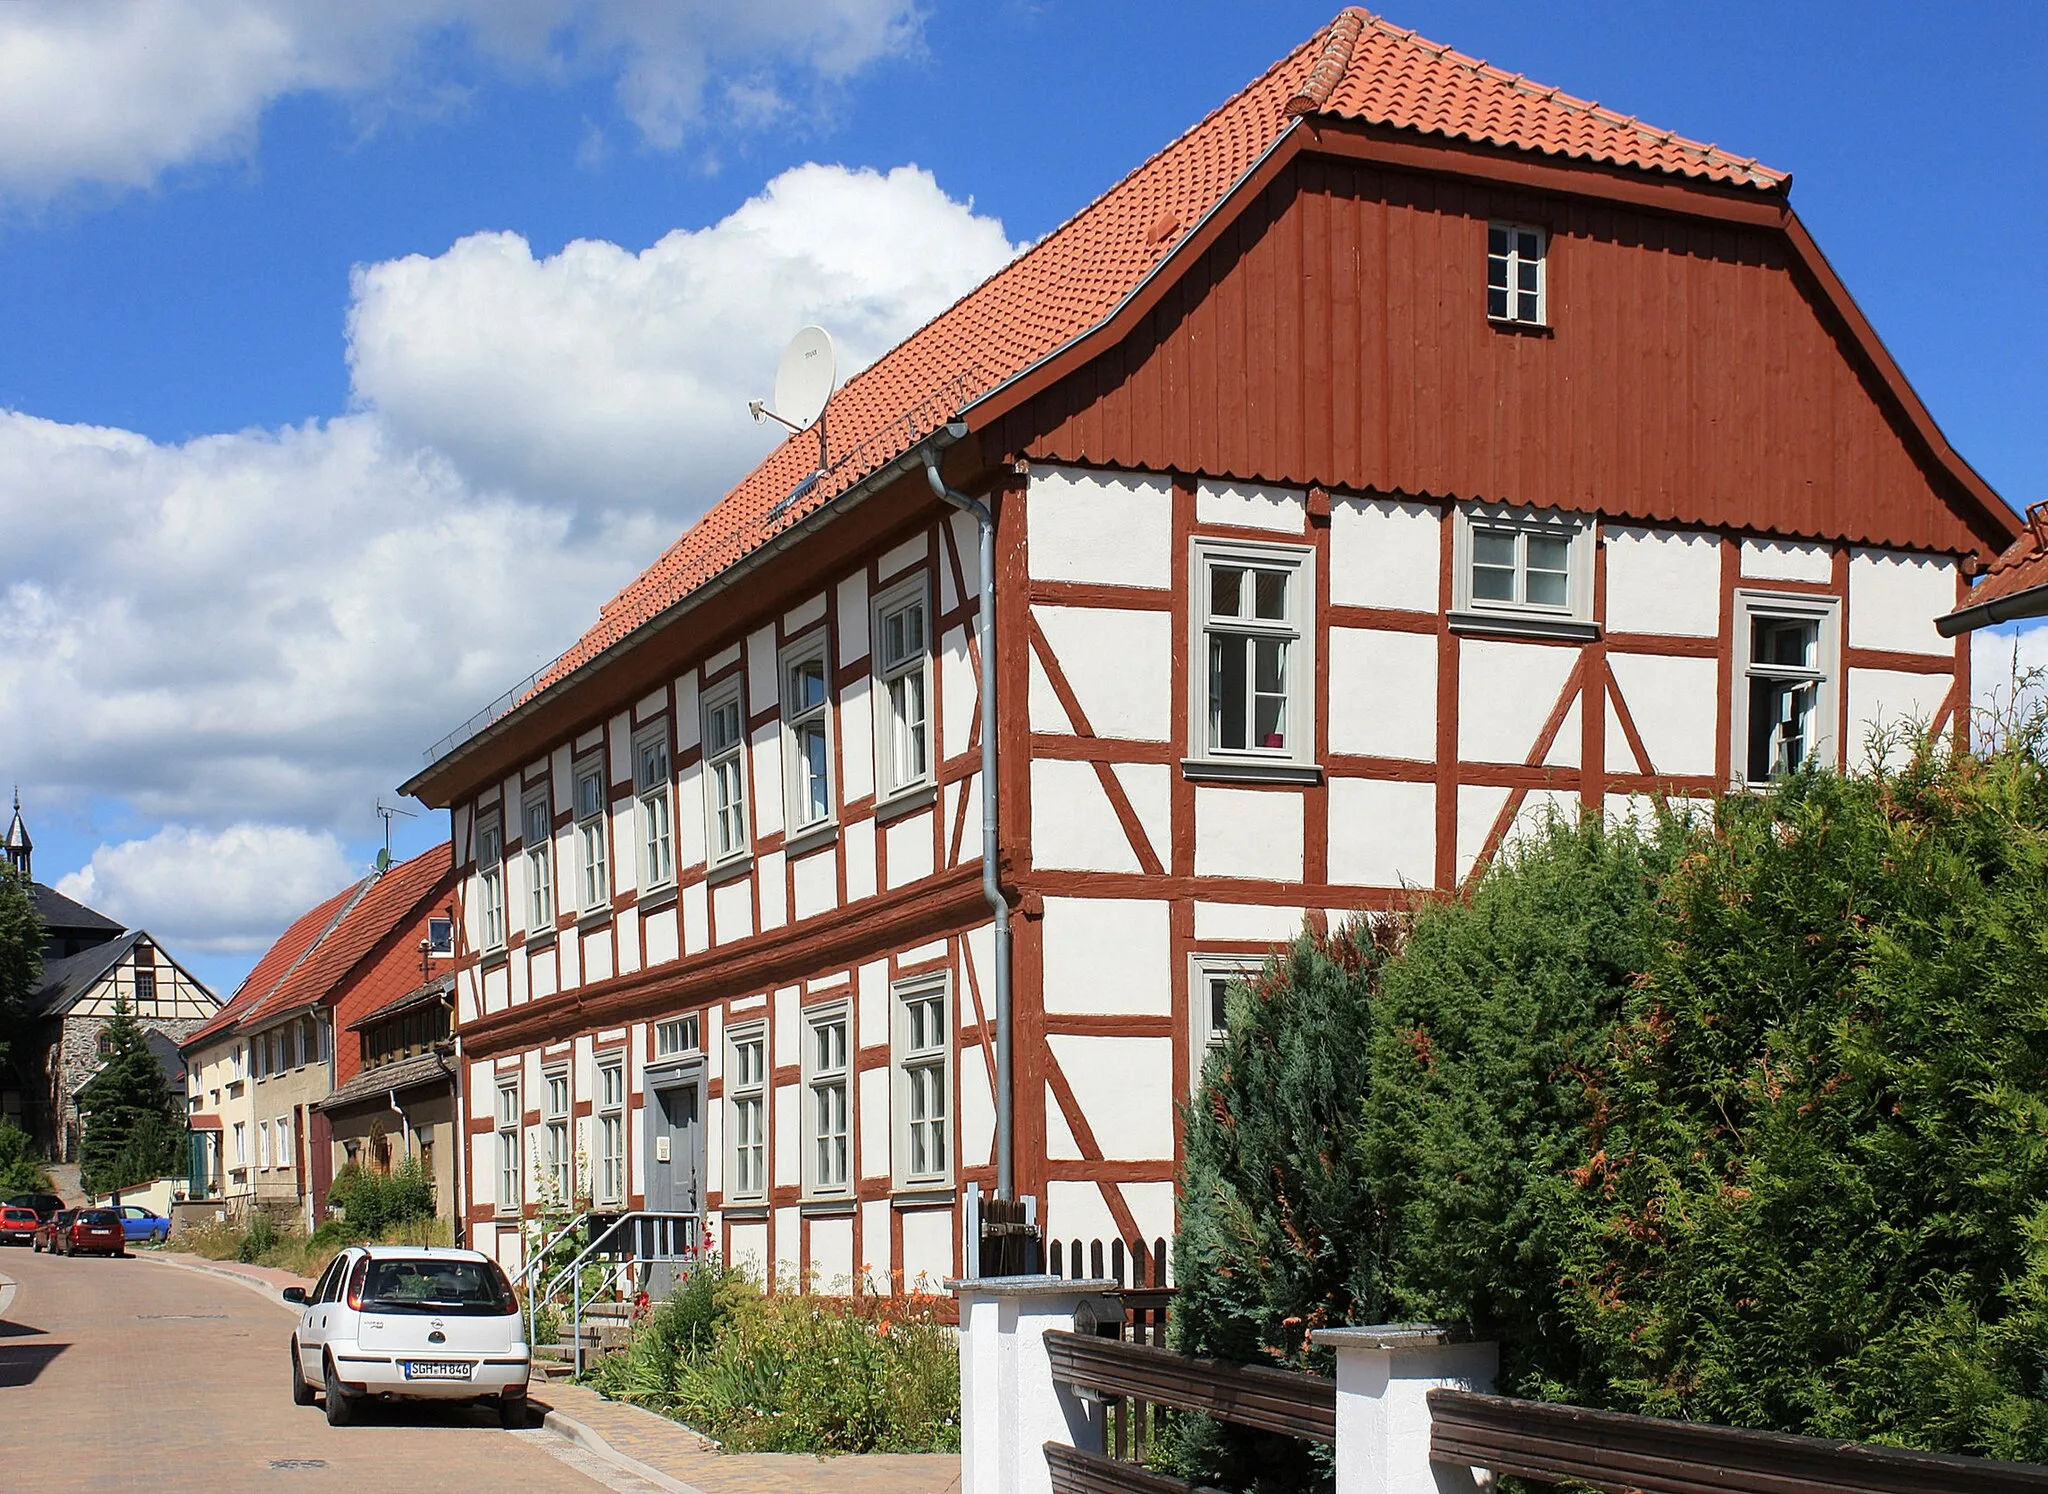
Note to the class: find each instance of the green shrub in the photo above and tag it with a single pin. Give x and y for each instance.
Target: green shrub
(20, 1170)
(371, 1201)
(258, 1240)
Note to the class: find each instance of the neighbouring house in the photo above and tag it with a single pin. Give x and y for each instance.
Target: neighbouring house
(1406, 451)
(259, 1071)
(90, 964)
(402, 1101)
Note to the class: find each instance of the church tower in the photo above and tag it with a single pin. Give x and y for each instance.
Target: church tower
(20, 849)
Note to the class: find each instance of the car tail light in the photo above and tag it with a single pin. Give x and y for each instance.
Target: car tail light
(355, 1283)
(508, 1300)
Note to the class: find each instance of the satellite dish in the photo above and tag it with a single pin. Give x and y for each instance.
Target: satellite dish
(803, 381)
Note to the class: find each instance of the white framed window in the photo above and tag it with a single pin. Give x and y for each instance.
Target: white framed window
(490, 878)
(285, 1156)
(657, 826)
(903, 668)
(537, 824)
(1254, 680)
(611, 1129)
(676, 1036)
(725, 774)
(509, 1192)
(806, 737)
(593, 876)
(1211, 977)
(263, 1146)
(828, 1143)
(1789, 656)
(557, 1157)
(1523, 569)
(1515, 290)
(923, 1050)
(241, 1143)
(746, 1103)
(441, 936)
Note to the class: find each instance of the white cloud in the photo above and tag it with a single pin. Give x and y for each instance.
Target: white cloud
(599, 374)
(268, 627)
(116, 92)
(213, 891)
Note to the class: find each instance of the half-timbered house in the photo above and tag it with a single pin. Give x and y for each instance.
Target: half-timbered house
(1405, 451)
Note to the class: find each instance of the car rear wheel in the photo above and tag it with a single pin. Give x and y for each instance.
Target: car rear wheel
(512, 1412)
(341, 1407)
(302, 1393)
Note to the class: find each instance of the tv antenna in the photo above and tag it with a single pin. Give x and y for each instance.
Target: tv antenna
(384, 813)
(803, 387)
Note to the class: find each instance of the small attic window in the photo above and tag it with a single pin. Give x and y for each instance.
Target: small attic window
(1514, 274)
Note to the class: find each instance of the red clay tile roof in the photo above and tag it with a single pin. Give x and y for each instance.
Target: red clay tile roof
(2021, 568)
(386, 902)
(307, 930)
(1358, 68)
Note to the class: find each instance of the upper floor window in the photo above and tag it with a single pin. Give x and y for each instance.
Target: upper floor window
(725, 774)
(746, 1098)
(594, 879)
(145, 988)
(540, 863)
(1523, 568)
(657, 830)
(1253, 690)
(903, 746)
(1784, 710)
(507, 1126)
(1514, 273)
(806, 713)
(490, 871)
(440, 936)
(1214, 975)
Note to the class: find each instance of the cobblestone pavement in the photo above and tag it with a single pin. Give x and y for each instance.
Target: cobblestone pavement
(673, 1456)
(119, 1373)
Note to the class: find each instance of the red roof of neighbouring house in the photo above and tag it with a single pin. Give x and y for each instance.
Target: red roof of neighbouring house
(2015, 585)
(292, 946)
(1360, 68)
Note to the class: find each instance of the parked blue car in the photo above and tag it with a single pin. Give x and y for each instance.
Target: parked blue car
(138, 1223)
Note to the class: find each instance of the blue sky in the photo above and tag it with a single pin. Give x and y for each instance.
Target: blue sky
(295, 374)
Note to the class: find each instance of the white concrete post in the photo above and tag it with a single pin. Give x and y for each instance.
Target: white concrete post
(1009, 1406)
(1384, 1376)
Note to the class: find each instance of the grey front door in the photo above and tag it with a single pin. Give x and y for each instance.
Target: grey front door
(675, 1164)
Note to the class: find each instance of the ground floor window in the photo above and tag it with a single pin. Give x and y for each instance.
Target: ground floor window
(923, 1053)
(746, 1098)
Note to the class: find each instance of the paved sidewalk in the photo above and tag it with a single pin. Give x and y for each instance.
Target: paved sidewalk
(672, 1452)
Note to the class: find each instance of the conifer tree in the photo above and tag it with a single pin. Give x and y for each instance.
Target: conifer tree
(132, 1133)
(21, 958)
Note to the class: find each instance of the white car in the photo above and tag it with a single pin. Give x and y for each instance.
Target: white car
(428, 1323)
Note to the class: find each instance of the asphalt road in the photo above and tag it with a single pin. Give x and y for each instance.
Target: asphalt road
(126, 1374)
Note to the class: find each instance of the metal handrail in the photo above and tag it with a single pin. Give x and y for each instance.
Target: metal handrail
(665, 1231)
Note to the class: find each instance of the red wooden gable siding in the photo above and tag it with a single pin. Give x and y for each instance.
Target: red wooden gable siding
(1336, 334)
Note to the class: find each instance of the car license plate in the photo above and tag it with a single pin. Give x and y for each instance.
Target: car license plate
(435, 1369)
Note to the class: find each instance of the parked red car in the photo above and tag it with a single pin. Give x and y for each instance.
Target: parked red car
(53, 1231)
(96, 1232)
(18, 1226)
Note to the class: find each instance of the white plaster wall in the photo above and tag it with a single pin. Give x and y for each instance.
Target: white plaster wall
(1120, 665)
(1248, 833)
(1125, 1088)
(910, 847)
(1151, 1205)
(750, 1249)
(874, 1124)
(1894, 599)
(774, 898)
(785, 1151)
(1786, 560)
(626, 922)
(1047, 714)
(817, 883)
(850, 597)
(1382, 834)
(1384, 554)
(1108, 955)
(927, 1249)
(1539, 810)
(764, 782)
(1477, 808)
(977, 1109)
(619, 742)
(1663, 581)
(1505, 693)
(732, 906)
(1383, 693)
(1246, 921)
(597, 956)
(958, 698)
(877, 1259)
(788, 1008)
(1893, 703)
(1060, 1144)
(803, 614)
(899, 558)
(1251, 506)
(1113, 527)
(1149, 787)
(1076, 1211)
(693, 912)
(1073, 826)
(832, 1254)
(970, 823)
(1675, 705)
(855, 724)
(858, 837)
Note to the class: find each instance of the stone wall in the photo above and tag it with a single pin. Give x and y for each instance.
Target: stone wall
(71, 1059)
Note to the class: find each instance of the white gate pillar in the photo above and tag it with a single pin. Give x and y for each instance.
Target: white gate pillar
(1009, 1406)
(1384, 1377)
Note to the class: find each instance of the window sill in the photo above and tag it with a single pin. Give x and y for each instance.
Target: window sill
(1231, 770)
(661, 897)
(594, 918)
(534, 943)
(828, 1208)
(744, 1213)
(1525, 625)
(922, 1196)
(728, 871)
(906, 801)
(806, 841)
(491, 960)
(1515, 325)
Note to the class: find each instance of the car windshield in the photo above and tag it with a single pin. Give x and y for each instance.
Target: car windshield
(468, 1288)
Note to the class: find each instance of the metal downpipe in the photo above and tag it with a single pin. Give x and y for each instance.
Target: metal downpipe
(991, 888)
